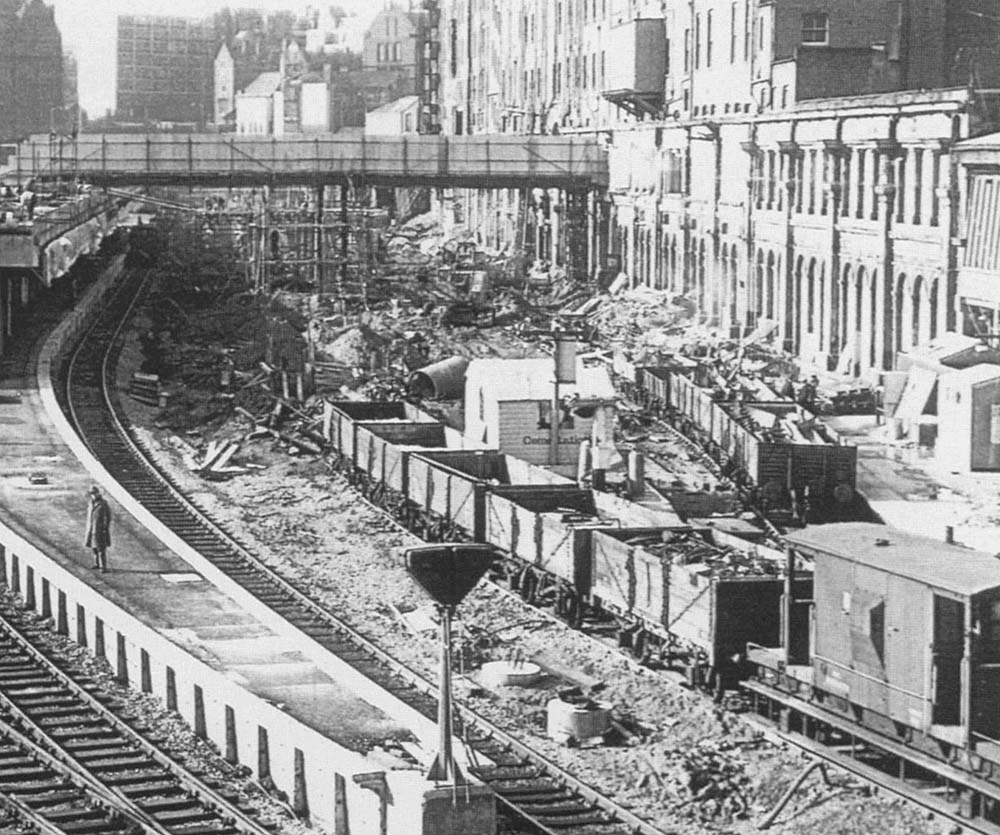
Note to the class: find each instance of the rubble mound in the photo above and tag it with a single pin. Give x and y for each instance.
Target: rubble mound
(708, 782)
(356, 347)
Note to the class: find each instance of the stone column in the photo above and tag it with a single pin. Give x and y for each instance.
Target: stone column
(889, 151)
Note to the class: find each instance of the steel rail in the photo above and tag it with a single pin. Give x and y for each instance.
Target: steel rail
(64, 764)
(870, 774)
(616, 814)
(189, 780)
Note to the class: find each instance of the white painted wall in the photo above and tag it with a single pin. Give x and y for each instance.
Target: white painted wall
(315, 103)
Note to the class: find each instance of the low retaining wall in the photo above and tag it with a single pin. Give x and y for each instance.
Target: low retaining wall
(340, 788)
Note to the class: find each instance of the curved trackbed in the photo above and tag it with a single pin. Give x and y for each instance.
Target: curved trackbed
(532, 790)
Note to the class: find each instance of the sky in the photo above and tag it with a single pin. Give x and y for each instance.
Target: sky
(88, 30)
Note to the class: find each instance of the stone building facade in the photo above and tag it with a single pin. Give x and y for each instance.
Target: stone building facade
(738, 178)
(392, 43)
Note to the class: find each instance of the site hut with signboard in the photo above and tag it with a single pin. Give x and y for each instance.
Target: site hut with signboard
(509, 403)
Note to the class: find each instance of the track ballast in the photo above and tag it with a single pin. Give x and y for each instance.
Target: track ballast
(535, 795)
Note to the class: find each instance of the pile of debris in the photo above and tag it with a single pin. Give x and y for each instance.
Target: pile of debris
(643, 318)
(215, 462)
(420, 241)
(707, 782)
(691, 550)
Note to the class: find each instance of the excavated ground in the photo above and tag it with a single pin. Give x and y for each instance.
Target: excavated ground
(680, 761)
(313, 528)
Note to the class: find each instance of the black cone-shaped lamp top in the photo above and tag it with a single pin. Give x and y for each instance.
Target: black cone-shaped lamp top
(449, 572)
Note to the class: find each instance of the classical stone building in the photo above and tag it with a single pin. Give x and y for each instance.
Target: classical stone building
(770, 159)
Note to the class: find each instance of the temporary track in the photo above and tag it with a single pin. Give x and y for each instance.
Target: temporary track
(886, 763)
(532, 790)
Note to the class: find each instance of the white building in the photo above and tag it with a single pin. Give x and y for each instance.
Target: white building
(394, 118)
(224, 77)
(332, 30)
(314, 115)
(260, 108)
(508, 404)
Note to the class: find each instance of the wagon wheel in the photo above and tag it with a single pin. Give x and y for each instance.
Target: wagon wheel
(642, 649)
(717, 684)
(572, 609)
(436, 532)
(513, 577)
(527, 585)
(401, 510)
(667, 654)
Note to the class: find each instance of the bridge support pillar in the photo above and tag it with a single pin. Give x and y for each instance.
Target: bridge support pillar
(345, 237)
(318, 240)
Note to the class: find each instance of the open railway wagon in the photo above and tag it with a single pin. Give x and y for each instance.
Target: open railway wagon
(684, 601)
(447, 488)
(673, 593)
(899, 660)
(648, 385)
(792, 464)
(545, 531)
(374, 442)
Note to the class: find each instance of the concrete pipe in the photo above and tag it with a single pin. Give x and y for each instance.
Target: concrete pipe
(441, 381)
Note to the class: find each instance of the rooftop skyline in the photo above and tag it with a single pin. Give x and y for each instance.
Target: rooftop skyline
(89, 30)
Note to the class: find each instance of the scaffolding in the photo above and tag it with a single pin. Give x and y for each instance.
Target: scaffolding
(312, 243)
(329, 241)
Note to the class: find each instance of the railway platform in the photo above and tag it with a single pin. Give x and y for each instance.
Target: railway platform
(348, 757)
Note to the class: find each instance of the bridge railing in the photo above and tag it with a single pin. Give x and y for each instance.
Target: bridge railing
(527, 160)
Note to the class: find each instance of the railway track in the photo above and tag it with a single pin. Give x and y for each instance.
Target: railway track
(660, 424)
(877, 760)
(69, 759)
(537, 795)
(67, 755)
(532, 791)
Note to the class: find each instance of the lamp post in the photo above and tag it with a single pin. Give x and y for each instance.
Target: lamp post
(447, 573)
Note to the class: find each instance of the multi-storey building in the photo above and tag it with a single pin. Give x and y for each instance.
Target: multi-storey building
(31, 68)
(770, 159)
(165, 68)
(392, 43)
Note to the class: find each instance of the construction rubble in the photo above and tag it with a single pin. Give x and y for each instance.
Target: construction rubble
(246, 377)
(707, 782)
